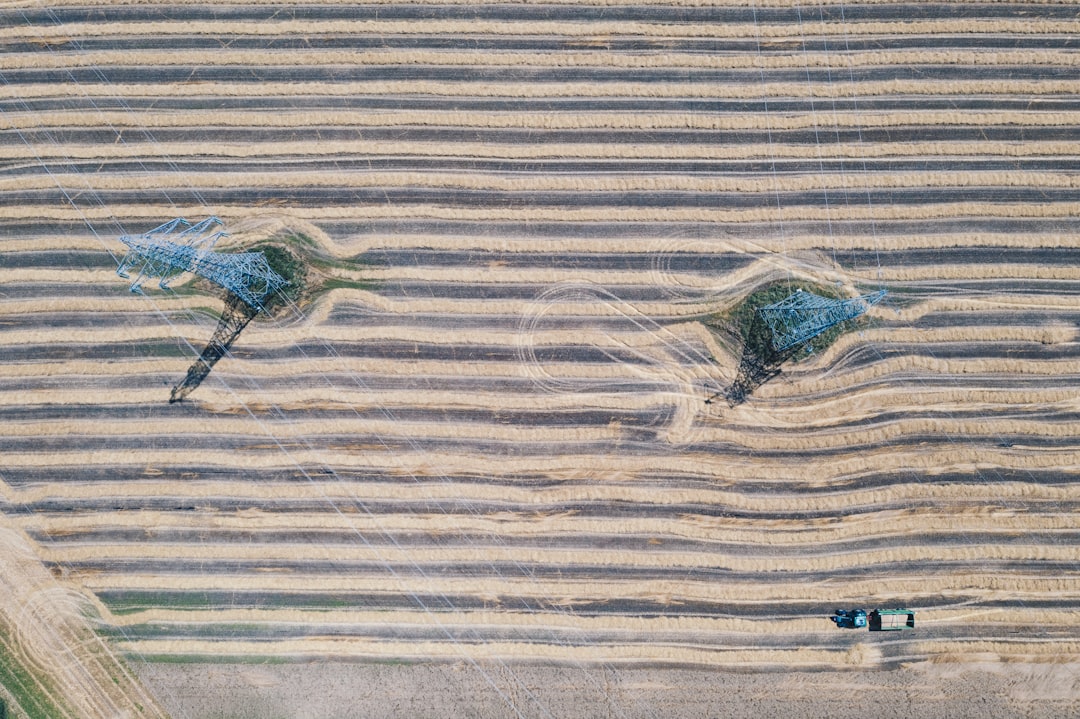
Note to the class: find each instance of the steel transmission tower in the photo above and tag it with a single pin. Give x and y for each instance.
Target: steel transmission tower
(803, 315)
(178, 246)
(235, 317)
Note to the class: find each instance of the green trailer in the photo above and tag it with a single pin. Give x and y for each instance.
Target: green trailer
(891, 620)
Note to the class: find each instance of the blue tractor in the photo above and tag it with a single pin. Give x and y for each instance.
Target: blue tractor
(850, 618)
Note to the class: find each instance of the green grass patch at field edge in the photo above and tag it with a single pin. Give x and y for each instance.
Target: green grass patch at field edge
(27, 692)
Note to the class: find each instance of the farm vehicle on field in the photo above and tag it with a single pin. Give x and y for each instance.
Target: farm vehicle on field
(878, 620)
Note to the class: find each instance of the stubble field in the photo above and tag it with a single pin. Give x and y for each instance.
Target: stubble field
(479, 463)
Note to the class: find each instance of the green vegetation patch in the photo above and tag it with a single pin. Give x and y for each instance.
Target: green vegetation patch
(297, 258)
(125, 602)
(131, 602)
(217, 659)
(340, 283)
(292, 268)
(28, 692)
(746, 325)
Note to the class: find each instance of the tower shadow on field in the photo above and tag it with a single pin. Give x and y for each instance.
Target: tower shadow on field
(759, 363)
(234, 319)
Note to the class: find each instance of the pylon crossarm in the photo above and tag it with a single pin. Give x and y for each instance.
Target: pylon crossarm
(167, 227)
(201, 235)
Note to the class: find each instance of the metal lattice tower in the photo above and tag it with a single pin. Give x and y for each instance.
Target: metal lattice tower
(178, 246)
(803, 315)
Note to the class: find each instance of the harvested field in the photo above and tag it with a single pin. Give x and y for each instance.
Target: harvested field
(476, 459)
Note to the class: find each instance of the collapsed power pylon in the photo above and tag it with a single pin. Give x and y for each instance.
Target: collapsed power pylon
(179, 246)
(803, 315)
(780, 331)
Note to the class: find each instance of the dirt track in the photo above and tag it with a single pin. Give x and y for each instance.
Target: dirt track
(499, 453)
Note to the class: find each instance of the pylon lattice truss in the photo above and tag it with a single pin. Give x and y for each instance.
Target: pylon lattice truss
(803, 315)
(178, 246)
